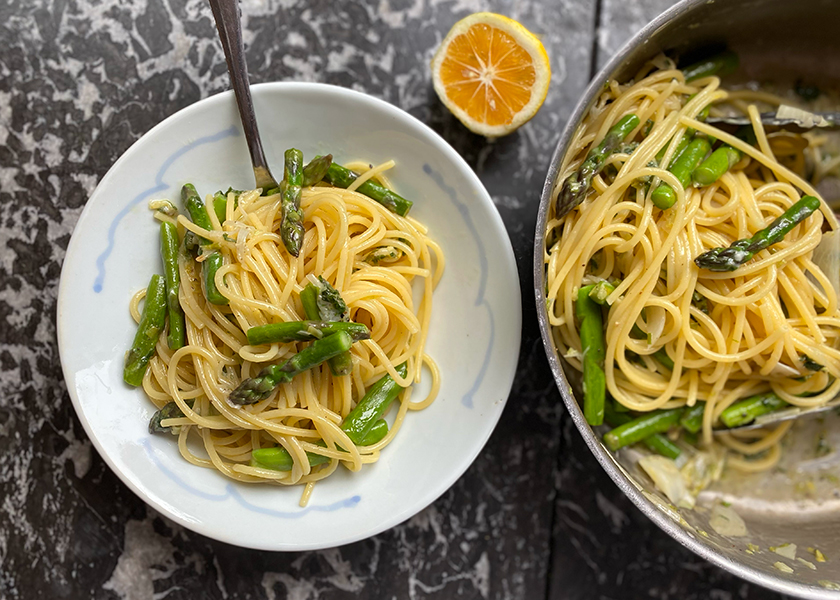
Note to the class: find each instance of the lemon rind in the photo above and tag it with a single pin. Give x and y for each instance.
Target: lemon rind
(528, 42)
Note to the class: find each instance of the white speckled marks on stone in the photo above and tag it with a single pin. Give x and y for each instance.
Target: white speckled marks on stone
(337, 573)
(293, 589)
(620, 20)
(478, 576)
(148, 557)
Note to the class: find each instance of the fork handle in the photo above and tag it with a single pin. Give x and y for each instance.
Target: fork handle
(226, 14)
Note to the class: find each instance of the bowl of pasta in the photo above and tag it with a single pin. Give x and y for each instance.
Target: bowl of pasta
(687, 276)
(297, 367)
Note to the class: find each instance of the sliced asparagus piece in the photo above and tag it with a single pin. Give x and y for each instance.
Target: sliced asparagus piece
(169, 411)
(718, 163)
(309, 299)
(195, 207)
(213, 261)
(291, 227)
(316, 170)
(330, 304)
(642, 427)
(324, 302)
(738, 253)
(745, 411)
(209, 266)
(594, 349)
(721, 64)
(372, 406)
(577, 185)
(692, 418)
(304, 331)
(656, 441)
(151, 324)
(375, 434)
(169, 244)
(342, 177)
(279, 459)
(260, 387)
(220, 199)
(664, 195)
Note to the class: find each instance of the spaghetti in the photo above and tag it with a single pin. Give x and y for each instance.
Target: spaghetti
(676, 335)
(385, 267)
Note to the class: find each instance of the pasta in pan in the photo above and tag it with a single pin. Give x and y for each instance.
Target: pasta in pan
(687, 292)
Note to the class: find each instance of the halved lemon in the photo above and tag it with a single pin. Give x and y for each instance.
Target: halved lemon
(492, 73)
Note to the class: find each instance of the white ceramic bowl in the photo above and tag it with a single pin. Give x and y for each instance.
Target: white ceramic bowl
(474, 336)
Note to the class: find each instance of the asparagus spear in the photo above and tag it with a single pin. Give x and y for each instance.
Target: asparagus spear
(685, 139)
(664, 196)
(576, 186)
(260, 387)
(220, 202)
(810, 364)
(692, 418)
(209, 266)
(593, 347)
(745, 411)
(169, 411)
(656, 442)
(316, 170)
(278, 190)
(220, 206)
(279, 459)
(718, 163)
(375, 434)
(741, 251)
(309, 299)
(600, 291)
(169, 253)
(662, 357)
(372, 406)
(195, 207)
(325, 303)
(148, 330)
(313, 173)
(191, 243)
(721, 64)
(198, 213)
(304, 331)
(723, 159)
(291, 227)
(681, 146)
(642, 427)
(328, 302)
(342, 177)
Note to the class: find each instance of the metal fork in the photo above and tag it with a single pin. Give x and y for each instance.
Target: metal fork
(228, 22)
(823, 120)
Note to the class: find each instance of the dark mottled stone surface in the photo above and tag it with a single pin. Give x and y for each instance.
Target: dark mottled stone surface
(81, 80)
